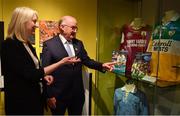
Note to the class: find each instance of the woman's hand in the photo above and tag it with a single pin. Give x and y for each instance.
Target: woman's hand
(51, 102)
(49, 79)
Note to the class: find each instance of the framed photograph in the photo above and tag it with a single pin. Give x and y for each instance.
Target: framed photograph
(1, 33)
(1, 39)
(141, 65)
(120, 57)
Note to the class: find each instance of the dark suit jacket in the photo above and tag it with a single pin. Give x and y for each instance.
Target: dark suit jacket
(22, 89)
(68, 78)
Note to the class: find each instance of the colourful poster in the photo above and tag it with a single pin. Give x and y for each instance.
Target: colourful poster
(47, 30)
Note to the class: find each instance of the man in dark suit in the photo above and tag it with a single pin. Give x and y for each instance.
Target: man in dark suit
(67, 91)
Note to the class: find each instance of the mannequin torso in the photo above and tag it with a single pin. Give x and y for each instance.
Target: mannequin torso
(169, 15)
(137, 23)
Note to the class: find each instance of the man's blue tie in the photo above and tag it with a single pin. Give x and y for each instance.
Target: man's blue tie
(68, 49)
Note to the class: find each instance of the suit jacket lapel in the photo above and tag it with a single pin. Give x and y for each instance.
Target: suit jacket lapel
(60, 46)
(76, 47)
(34, 52)
(26, 52)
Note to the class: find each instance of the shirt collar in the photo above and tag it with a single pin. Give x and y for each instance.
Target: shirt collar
(64, 41)
(132, 91)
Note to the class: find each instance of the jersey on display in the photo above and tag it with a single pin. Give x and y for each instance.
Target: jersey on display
(131, 103)
(133, 41)
(166, 40)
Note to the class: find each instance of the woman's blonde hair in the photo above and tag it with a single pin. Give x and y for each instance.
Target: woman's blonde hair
(16, 26)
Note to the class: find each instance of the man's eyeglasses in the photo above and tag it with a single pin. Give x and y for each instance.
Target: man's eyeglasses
(75, 28)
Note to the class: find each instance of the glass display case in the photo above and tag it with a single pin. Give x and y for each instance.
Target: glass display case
(139, 26)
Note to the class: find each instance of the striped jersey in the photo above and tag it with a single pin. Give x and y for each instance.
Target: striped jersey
(165, 63)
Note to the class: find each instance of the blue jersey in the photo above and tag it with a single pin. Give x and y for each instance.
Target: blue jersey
(132, 103)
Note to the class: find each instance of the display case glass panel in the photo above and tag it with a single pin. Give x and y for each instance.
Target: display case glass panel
(139, 27)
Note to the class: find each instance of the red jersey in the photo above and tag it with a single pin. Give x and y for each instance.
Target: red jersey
(133, 41)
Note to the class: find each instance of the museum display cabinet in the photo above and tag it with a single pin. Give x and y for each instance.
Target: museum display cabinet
(139, 27)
